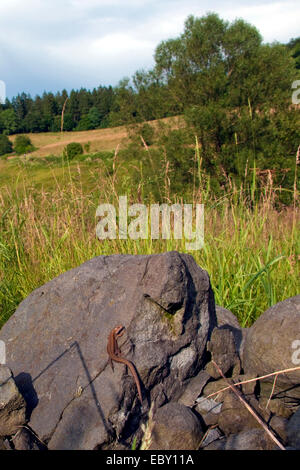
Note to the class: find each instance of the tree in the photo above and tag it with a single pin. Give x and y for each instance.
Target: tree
(23, 145)
(233, 91)
(294, 48)
(8, 121)
(5, 145)
(72, 150)
(94, 117)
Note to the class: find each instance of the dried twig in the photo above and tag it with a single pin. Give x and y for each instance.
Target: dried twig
(250, 409)
(283, 371)
(272, 391)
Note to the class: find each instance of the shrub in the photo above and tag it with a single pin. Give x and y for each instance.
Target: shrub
(23, 144)
(5, 145)
(147, 132)
(87, 146)
(72, 150)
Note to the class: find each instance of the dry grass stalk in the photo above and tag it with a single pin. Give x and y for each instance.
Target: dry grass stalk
(272, 391)
(250, 409)
(278, 372)
(147, 429)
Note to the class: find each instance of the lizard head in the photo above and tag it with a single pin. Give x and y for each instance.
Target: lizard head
(119, 330)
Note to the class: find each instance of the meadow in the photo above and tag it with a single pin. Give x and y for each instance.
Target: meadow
(48, 221)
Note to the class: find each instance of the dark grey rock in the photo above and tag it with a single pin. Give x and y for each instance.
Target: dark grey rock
(205, 405)
(194, 389)
(209, 410)
(218, 444)
(226, 320)
(223, 353)
(214, 387)
(235, 417)
(278, 425)
(252, 439)
(12, 404)
(176, 428)
(25, 439)
(212, 435)
(56, 344)
(269, 346)
(293, 430)
(278, 406)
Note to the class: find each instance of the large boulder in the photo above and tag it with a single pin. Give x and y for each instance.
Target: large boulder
(271, 345)
(176, 427)
(56, 344)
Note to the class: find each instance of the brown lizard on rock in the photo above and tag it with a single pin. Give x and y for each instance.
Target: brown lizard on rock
(114, 354)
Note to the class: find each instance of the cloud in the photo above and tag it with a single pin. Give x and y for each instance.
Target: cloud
(72, 43)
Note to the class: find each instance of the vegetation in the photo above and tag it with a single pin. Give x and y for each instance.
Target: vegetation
(23, 145)
(72, 150)
(5, 145)
(235, 95)
(230, 140)
(47, 226)
(294, 48)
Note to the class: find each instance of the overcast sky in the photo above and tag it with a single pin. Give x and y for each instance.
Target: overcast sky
(55, 44)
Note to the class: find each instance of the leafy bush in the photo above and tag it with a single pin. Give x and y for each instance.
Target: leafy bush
(72, 150)
(23, 145)
(147, 133)
(5, 145)
(87, 146)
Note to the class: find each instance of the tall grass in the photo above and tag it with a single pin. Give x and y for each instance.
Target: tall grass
(251, 247)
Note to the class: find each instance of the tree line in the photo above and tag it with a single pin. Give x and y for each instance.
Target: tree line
(84, 110)
(201, 66)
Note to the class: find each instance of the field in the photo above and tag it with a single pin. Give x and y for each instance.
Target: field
(47, 225)
(52, 143)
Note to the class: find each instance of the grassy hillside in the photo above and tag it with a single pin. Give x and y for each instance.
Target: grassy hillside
(53, 143)
(47, 225)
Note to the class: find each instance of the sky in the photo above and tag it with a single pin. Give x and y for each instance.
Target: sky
(49, 45)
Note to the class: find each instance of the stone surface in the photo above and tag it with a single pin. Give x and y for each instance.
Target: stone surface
(56, 344)
(253, 439)
(277, 406)
(176, 428)
(194, 389)
(212, 435)
(270, 345)
(293, 430)
(235, 417)
(209, 410)
(218, 444)
(214, 387)
(223, 353)
(26, 440)
(279, 426)
(227, 320)
(12, 404)
(205, 405)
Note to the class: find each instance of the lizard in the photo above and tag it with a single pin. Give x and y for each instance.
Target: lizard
(114, 354)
